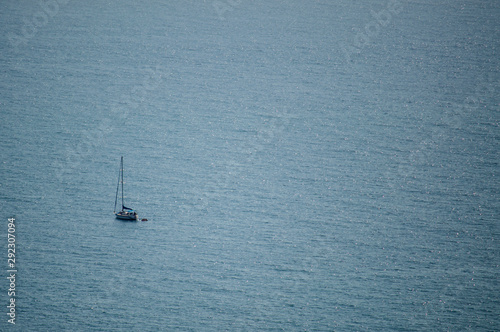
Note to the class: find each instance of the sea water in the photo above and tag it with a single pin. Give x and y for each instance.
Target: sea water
(316, 166)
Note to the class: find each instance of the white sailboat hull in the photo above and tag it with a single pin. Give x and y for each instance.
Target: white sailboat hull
(124, 215)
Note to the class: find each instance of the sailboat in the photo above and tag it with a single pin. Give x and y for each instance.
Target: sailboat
(125, 213)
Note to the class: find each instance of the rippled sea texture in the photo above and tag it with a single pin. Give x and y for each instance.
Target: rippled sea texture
(319, 166)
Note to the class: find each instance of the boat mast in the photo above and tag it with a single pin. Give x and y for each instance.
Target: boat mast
(122, 182)
(117, 188)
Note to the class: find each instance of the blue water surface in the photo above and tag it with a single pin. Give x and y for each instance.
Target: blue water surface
(303, 166)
